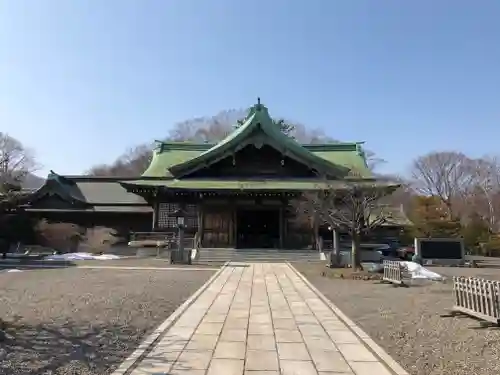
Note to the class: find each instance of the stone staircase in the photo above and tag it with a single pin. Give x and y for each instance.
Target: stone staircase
(257, 255)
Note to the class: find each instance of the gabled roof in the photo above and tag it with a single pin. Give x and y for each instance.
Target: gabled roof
(88, 190)
(258, 129)
(178, 158)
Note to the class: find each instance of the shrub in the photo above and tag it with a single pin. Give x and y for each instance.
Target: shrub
(99, 239)
(63, 237)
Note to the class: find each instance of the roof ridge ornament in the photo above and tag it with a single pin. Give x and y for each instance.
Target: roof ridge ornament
(258, 106)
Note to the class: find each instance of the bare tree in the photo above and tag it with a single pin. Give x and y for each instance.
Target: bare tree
(132, 163)
(484, 196)
(446, 175)
(16, 161)
(354, 208)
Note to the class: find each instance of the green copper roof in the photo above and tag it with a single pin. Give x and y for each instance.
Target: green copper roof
(253, 185)
(258, 129)
(179, 158)
(87, 190)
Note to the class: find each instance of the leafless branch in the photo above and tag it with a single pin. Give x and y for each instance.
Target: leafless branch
(16, 162)
(447, 175)
(355, 207)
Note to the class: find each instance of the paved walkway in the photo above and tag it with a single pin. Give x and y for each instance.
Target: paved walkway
(260, 319)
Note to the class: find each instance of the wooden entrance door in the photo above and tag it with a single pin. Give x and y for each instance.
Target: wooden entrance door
(217, 228)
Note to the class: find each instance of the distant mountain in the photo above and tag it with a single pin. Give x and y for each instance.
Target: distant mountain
(32, 182)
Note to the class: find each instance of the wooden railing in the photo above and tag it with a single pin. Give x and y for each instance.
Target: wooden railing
(477, 297)
(163, 239)
(395, 272)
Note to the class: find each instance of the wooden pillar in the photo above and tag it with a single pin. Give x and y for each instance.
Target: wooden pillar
(234, 220)
(315, 231)
(154, 224)
(201, 222)
(282, 227)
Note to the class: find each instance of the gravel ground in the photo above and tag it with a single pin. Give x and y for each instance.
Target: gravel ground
(124, 262)
(84, 321)
(411, 323)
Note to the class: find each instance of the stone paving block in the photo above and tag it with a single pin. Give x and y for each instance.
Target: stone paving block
(284, 324)
(261, 372)
(261, 342)
(218, 310)
(256, 310)
(343, 337)
(299, 304)
(260, 329)
(184, 372)
(356, 352)
(283, 335)
(238, 313)
(297, 368)
(190, 319)
(240, 306)
(369, 368)
(214, 318)
(335, 373)
(167, 344)
(226, 367)
(230, 350)
(329, 361)
(301, 311)
(209, 329)
(202, 342)
(293, 351)
(179, 333)
(320, 343)
(260, 318)
(282, 313)
(241, 323)
(306, 319)
(261, 360)
(193, 360)
(152, 366)
(312, 330)
(236, 334)
(333, 325)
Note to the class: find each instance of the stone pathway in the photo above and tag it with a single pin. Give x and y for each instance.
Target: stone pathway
(260, 319)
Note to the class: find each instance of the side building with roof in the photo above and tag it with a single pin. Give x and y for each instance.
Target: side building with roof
(235, 193)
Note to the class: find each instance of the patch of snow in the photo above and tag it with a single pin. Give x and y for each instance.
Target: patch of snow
(418, 272)
(81, 256)
(14, 270)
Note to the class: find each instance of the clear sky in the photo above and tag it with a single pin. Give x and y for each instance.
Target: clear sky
(83, 80)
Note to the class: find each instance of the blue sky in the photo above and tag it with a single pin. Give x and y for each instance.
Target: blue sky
(81, 81)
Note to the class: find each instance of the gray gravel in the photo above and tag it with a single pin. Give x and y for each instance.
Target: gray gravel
(411, 323)
(84, 321)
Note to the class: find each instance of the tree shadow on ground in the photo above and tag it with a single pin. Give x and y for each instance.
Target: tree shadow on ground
(67, 348)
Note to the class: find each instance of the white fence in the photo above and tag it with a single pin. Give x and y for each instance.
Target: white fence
(395, 272)
(477, 297)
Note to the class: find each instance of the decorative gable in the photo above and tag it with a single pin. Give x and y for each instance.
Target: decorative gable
(258, 130)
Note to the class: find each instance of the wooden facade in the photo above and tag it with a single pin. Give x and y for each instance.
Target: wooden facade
(257, 221)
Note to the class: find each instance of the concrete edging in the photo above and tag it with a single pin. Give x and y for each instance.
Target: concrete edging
(362, 335)
(137, 354)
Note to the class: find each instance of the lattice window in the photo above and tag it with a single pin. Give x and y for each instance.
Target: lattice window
(166, 218)
(192, 216)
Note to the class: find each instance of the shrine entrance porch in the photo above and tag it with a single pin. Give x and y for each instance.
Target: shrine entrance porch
(258, 228)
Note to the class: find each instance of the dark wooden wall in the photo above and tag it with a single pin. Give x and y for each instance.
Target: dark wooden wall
(253, 162)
